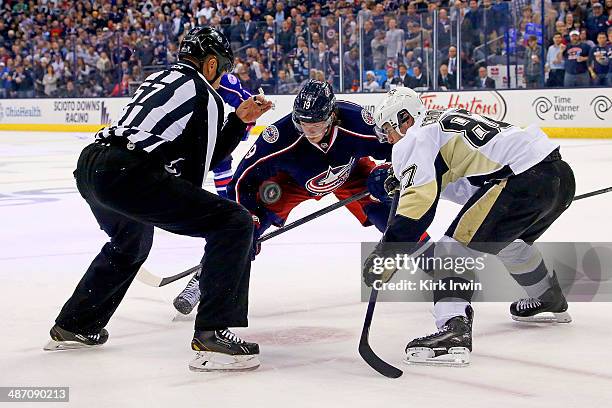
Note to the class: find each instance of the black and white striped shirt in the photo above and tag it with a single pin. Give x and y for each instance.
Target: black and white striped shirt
(177, 114)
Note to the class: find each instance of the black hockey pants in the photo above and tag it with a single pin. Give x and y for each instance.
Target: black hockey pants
(129, 194)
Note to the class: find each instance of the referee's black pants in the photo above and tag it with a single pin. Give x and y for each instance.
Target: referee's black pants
(129, 194)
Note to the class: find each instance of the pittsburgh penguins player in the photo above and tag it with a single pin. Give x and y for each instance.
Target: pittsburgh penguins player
(146, 170)
(520, 186)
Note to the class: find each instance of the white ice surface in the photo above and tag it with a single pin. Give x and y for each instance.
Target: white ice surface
(305, 310)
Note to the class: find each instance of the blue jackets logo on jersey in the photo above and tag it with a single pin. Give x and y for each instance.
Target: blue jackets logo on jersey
(330, 179)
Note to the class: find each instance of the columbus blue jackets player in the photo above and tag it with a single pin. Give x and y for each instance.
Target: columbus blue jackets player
(323, 147)
(231, 91)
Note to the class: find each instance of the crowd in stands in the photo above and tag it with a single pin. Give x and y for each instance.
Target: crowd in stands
(92, 48)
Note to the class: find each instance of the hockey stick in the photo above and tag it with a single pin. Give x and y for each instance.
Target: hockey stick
(592, 193)
(148, 278)
(365, 351)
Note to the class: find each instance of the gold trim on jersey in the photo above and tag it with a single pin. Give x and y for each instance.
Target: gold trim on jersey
(464, 161)
(473, 218)
(414, 202)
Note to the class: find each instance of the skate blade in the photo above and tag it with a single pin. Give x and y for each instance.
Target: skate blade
(54, 345)
(456, 357)
(206, 361)
(546, 317)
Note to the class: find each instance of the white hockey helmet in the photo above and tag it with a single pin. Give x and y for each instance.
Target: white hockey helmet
(395, 109)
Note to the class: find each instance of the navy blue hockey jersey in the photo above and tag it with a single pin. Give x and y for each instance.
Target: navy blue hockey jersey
(319, 168)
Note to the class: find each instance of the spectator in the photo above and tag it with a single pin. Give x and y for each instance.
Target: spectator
(370, 84)
(576, 56)
(484, 81)
(418, 81)
(388, 82)
(248, 30)
(416, 36)
(246, 79)
(403, 79)
(555, 63)
(23, 83)
(578, 12)
(4, 82)
(533, 66)
(206, 11)
(103, 65)
(123, 87)
(394, 40)
(279, 15)
(379, 50)
(585, 39)
(50, 81)
(596, 23)
(599, 60)
(451, 60)
(446, 81)
(368, 35)
(286, 38)
(287, 84)
(351, 67)
(268, 84)
(69, 91)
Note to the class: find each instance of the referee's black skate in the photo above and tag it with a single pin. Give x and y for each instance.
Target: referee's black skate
(222, 350)
(551, 307)
(188, 299)
(65, 340)
(449, 346)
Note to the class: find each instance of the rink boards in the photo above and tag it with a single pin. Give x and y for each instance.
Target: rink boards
(575, 113)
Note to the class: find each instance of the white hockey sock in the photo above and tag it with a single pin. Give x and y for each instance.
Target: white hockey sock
(447, 309)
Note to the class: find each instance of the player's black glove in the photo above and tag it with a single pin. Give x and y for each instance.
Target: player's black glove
(377, 267)
(391, 184)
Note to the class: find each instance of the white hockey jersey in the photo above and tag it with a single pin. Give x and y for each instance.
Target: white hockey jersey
(449, 154)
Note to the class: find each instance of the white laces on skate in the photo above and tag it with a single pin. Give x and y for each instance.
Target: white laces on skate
(231, 336)
(525, 304)
(192, 291)
(442, 330)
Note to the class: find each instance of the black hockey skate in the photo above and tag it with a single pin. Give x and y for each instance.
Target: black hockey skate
(65, 340)
(450, 346)
(222, 350)
(551, 307)
(188, 299)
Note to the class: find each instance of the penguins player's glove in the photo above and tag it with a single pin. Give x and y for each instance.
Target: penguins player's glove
(391, 184)
(374, 266)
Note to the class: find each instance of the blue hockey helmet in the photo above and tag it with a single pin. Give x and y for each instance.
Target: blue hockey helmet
(314, 103)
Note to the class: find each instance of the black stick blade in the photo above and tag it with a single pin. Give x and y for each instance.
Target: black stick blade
(384, 368)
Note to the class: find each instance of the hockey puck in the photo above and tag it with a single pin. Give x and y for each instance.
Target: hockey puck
(270, 192)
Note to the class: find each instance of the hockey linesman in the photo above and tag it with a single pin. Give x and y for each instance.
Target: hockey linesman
(521, 186)
(323, 146)
(146, 170)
